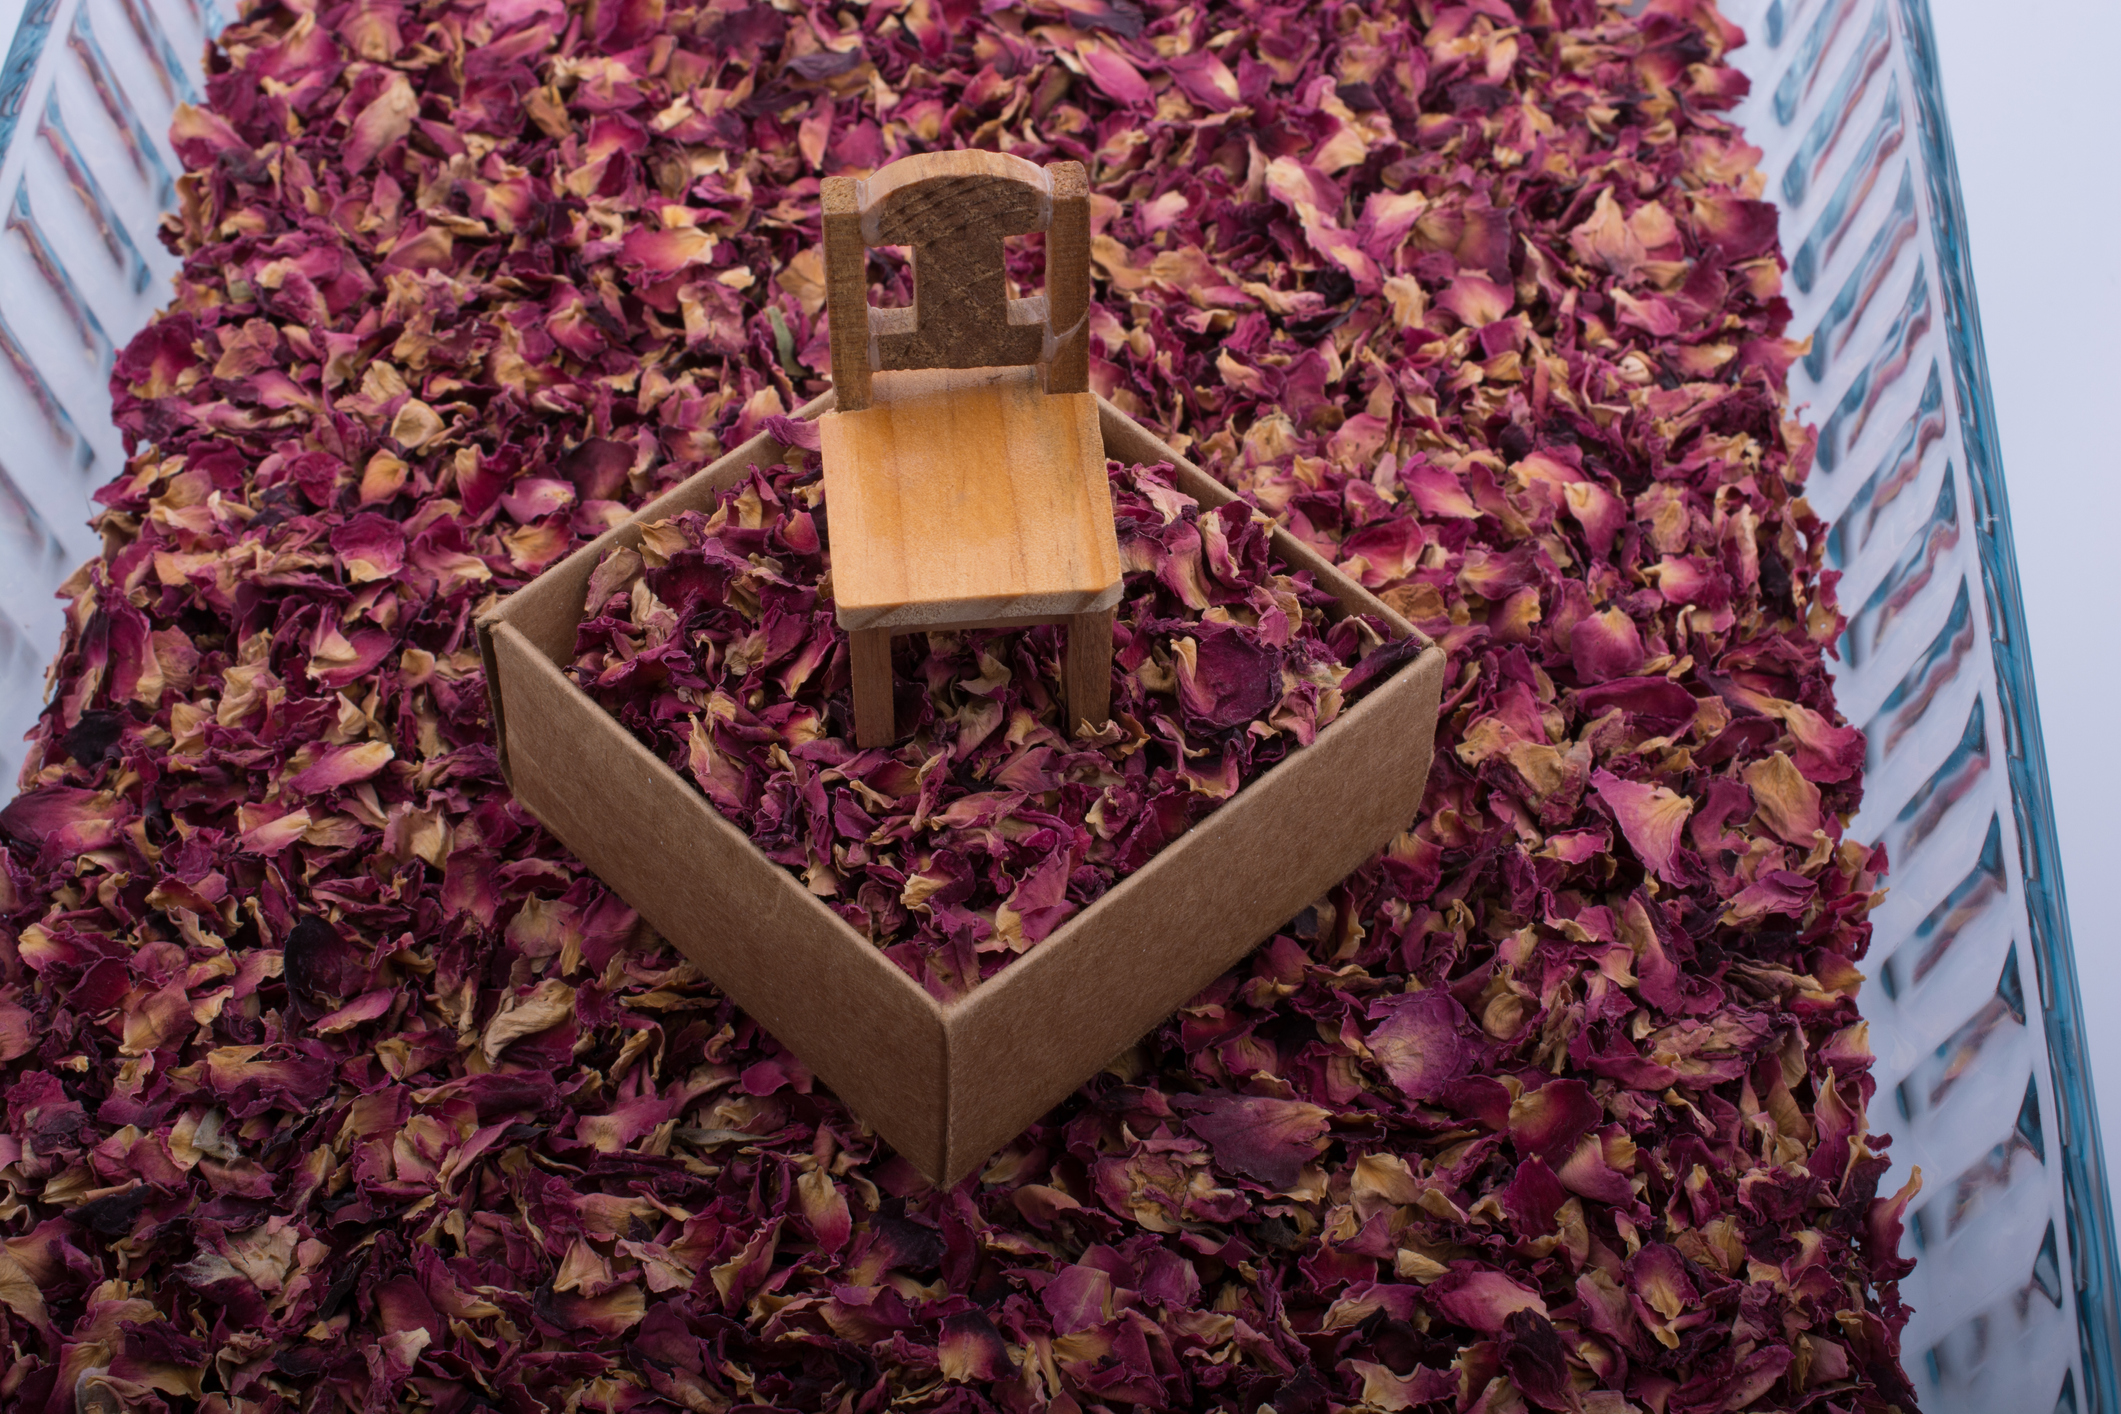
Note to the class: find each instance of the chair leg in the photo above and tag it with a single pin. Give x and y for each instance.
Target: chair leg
(1089, 668)
(870, 659)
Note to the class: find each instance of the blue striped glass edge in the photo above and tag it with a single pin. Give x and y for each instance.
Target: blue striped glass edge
(2046, 904)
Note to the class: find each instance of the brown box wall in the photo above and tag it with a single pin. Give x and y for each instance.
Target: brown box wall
(947, 1084)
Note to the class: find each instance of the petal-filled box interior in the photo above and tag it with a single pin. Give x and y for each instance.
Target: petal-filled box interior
(946, 1081)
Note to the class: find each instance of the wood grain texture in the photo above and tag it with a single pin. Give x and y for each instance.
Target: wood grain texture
(869, 664)
(847, 290)
(1068, 279)
(965, 471)
(940, 194)
(961, 496)
(1088, 670)
(953, 210)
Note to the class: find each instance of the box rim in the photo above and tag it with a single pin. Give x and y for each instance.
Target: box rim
(1291, 551)
(591, 551)
(722, 824)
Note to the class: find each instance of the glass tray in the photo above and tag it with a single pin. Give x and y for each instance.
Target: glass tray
(1973, 1006)
(1972, 999)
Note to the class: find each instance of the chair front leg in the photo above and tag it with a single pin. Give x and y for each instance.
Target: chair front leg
(869, 658)
(1089, 668)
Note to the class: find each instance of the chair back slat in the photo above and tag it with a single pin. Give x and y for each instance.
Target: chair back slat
(954, 209)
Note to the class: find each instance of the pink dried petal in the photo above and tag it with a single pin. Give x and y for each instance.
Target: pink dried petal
(1265, 1139)
(1549, 1120)
(1420, 1042)
(1788, 803)
(1481, 1300)
(1079, 1298)
(1652, 818)
(1229, 678)
(1605, 645)
(1114, 76)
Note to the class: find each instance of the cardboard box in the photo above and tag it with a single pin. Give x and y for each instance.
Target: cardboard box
(947, 1084)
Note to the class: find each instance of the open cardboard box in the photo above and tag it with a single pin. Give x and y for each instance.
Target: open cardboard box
(948, 1083)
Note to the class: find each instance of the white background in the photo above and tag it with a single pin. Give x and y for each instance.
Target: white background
(2028, 88)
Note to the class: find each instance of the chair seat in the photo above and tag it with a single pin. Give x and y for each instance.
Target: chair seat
(962, 497)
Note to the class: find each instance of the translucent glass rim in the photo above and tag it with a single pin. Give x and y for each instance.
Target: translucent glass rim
(2097, 1274)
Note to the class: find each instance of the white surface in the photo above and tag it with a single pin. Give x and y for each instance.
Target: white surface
(2028, 87)
(80, 271)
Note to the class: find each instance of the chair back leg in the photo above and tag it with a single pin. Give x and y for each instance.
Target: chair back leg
(1089, 668)
(869, 659)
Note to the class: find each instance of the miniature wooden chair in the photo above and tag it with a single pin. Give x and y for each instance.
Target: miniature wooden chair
(964, 469)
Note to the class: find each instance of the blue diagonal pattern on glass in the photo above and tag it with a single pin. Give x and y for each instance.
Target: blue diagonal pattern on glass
(1932, 940)
(1840, 106)
(1878, 376)
(1846, 312)
(1932, 1082)
(101, 214)
(1906, 579)
(170, 72)
(140, 147)
(1896, 471)
(16, 356)
(22, 221)
(1850, 193)
(1911, 697)
(1926, 808)
(23, 51)
(1804, 70)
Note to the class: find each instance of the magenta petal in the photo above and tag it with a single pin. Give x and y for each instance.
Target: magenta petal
(1421, 1041)
(665, 252)
(535, 496)
(1078, 1298)
(1205, 79)
(1475, 300)
(1437, 492)
(1548, 1121)
(970, 1349)
(1532, 1197)
(64, 820)
(1604, 646)
(598, 468)
(369, 546)
(1825, 753)
(1587, 1174)
(1778, 891)
(1232, 679)
(1659, 1276)
(1655, 702)
(1388, 551)
(1262, 1138)
(341, 766)
(1651, 817)
(1114, 77)
(1742, 228)
(1481, 1300)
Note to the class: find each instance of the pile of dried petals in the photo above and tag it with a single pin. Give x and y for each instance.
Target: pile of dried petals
(329, 1081)
(990, 825)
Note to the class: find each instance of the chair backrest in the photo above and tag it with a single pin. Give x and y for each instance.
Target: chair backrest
(953, 209)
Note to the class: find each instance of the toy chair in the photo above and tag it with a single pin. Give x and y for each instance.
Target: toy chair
(964, 468)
